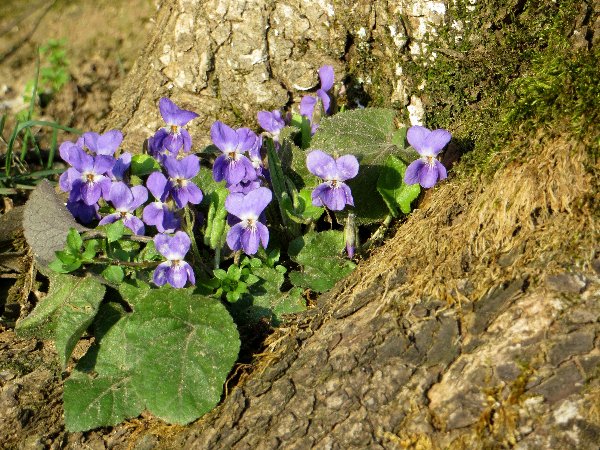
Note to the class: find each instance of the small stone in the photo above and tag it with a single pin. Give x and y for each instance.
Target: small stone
(6, 375)
(566, 282)
(573, 344)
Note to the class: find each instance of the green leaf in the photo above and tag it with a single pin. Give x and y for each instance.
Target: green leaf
(220, 274)
(171, 356)
(65, 313)
(320, 255)
(266, 299)
(277, 177)
(100, 391)
(149, 253)
(90, 249)
(115, 231)
(303, 211)
(390, 184)
(74, 241)
(65, 262)
(367, 134)
(267, 294)
(133, 291)
(114, 274)
(143, 165)
(192, 339)
(205, 181)
(217, 217)
(233, 296)
(303, 124)
(234, 272)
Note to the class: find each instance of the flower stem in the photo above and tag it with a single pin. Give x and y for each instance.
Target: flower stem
(97, 234)
(116, 262)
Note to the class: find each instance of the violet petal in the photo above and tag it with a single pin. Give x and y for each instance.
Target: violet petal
(411, 176)
(321, 164)
(347, 166)
(160, 273)
(417, 138)
(437, 140)
(234, 236)
(249, 240)
(224, 137)
(172, 114)
(428, 176)
(326, 75)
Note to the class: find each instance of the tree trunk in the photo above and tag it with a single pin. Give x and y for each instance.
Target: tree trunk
(477, 324)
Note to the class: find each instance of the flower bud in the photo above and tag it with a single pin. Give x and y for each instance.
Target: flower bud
(351, 235)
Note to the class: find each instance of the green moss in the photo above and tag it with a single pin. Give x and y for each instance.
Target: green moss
(512, 68)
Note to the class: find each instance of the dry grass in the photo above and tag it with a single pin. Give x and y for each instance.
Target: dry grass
(533, 216)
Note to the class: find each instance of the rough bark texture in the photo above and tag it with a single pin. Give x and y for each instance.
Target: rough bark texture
(230, 59)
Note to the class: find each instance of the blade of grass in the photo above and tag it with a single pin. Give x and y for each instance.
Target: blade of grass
(45, 123)
(53, 145)
(39, 174)
(27, 136)
(9, 150)
(2, 122)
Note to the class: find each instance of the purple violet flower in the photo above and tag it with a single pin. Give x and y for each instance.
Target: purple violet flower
(69, 152)
(82, 212)
(103, 144)
(243, 186)
(155, 145)
(88, 180)
(181, 171)
(426, 170)
(175, 137)
(175, 270)
(158, 212)
(308, 102)
(233, 166)
(126, 201)
(333, 193)
(122, 164)
(272, 122)
(249, 232)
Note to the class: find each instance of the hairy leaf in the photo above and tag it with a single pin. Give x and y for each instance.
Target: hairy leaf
(100, 391)
(266, 299)
(46, 222)
(65, 313)
(390, 184)
(320, 255)
(143, 165)
(171, 355)
(187, 345)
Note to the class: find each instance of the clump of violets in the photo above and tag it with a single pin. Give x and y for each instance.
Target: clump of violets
(174, 138)
(309, 102)
(248, 230)
(427, 170)
(98, 178)
(175, 270)
(333, 193)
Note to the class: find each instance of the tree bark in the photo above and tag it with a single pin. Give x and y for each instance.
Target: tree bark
(229, 59)
(476, 326)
